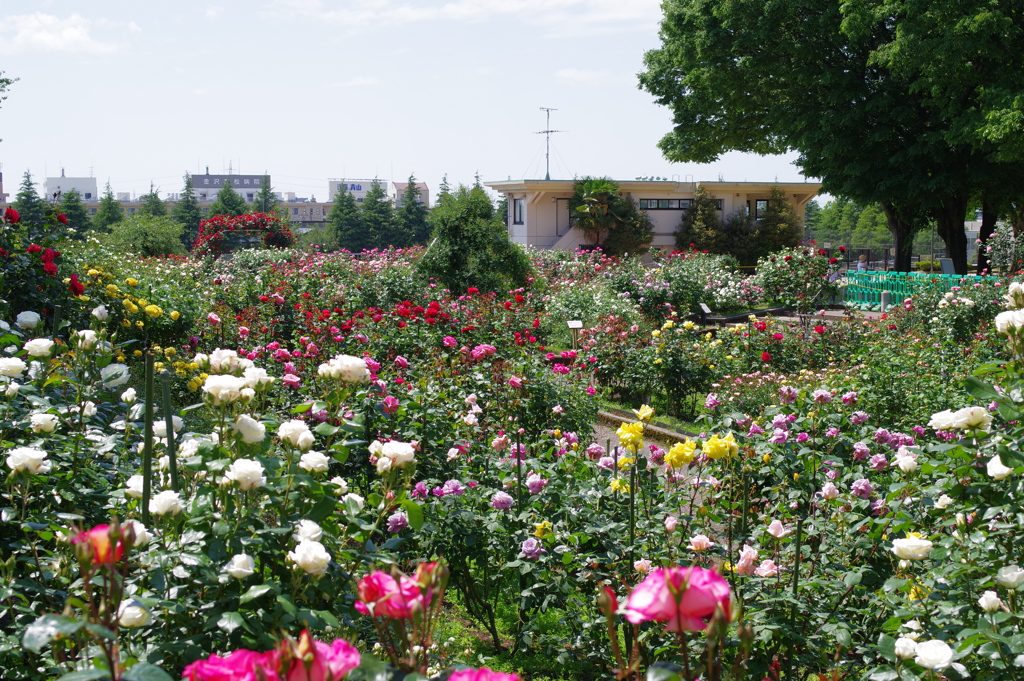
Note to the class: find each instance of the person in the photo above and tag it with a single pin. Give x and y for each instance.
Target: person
(862, 263)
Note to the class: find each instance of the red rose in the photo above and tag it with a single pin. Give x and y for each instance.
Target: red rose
(49, 268)
(34, 248)
(12, 216)
(62, 219)
(833, 261)
(49, 255)
(765, 357)
(75, 286)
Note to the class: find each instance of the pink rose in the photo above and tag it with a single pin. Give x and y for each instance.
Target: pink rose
(401, 362)
(684, 598)
(389, 405)
(311, 660)
(291, 380)
(213, 318)
(482, 674)
(388, 597)
(515, 382)
(745, 565)
(238, 666)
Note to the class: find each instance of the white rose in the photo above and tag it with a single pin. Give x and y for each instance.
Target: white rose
(257, 378)
(133, 487)
(911, 548)
(996, 469)
(12, 389)
(944, 501)
(142, 535)
(39, 347)
(1010, 576)
(990, 602)
(251, 430)
(12, 367)
(131, 614)
(376, 448)
(44, 423)
(352, 496)
(160, 425)
(907, 464)
(346, 367)
(240, 566)
(85, 339)
(905, 647)
(28, 320)
(226, 361)
(307, 530)
(934, 654)
(311, 557)
(114, 375)
(341, 483)
(314, 462)
(943, 420)
(247, 473)
(973, 418)
(384, 464)
(1009, 321)
(29, 460)
(100, 313)
(129, 396)
(400, 453)
(88, 409)
(296, 433)
(167, 502)
(223, 389)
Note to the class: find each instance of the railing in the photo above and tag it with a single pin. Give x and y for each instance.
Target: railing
(866, 288)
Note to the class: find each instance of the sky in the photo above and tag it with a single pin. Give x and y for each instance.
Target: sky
(136, 93)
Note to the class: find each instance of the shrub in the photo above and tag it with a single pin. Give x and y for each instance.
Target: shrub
(146, 236)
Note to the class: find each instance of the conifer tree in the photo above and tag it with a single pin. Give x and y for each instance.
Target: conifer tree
(229, 202)
(378, 217)
(412, 216)
(266, 201)
(151, 205)
(75, 213)
(109, 212)
(188, 213)
(29, 204)
(346, 223)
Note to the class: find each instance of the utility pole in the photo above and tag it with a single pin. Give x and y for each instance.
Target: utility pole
(547, 134)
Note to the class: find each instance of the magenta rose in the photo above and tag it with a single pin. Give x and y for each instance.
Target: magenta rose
(684, 598)
(238, 666)
(388, 597)
(482, 674)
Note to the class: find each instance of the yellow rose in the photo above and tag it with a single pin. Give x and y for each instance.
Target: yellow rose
(619, 485)
(140, 324)
(655, 333)
(688, 325)
(631, 436)
(137, 353)
(142, 302)
(132, 282)
(644, 413)
(718, 447)
(153, 311)
(542, 530)
(175, 315)
(668, 325)
(626, 462)
(681, 453)
(93, 273)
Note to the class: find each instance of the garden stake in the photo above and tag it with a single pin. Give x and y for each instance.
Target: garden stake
(147, 441)
(172, 446)
(56, 320)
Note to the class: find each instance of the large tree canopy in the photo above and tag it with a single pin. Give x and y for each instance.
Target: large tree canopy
(859, 88)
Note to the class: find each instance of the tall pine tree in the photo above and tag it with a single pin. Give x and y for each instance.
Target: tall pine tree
(74, 211)
(188, 213)
(229, 202)
(346, 222)
(266, 200)
(29, 204)
(378, 217)
(152, 206)
(109, 212)
(411, 217)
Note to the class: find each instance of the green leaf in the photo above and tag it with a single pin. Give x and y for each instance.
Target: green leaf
(414, 512)
(326, 429)
(230, 621)
(87, 675)
(886, 673)
(255, 592)
(887, 646)
(146, 672)
(663, 671)
(47, 628)
(369, 669)
(843, 638)
(983, 391)
(322, 509)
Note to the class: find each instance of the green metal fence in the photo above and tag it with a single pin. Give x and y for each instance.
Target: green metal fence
(864, 289)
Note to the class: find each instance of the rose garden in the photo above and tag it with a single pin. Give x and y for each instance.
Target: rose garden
(290, 464)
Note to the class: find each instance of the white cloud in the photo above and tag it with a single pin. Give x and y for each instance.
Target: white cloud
(584, 77)
(566, 17)
(213, 11)
(47, 33)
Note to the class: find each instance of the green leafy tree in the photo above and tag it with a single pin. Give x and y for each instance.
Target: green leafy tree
(109, 211)
(779, 226)
(266, 201)
(701, 226)
(346, 222)
(151, 205)
(599, 209)
(444, 190)
(188, 213)
(229, 202)
(378, 218)
(411, 217)
(146, 236)
(75, 213)
(29, 204)
(845, 85)
(741, 237)
(470, 245)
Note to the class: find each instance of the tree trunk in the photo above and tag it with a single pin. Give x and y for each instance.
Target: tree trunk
(949, 224)
(988, 228)
(902, 231)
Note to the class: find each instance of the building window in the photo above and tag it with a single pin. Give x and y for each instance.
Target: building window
(88, 196)
(664, 204)
(250, 197)
(760, 208)
(295, 211)
(518, 207)
(92, 211)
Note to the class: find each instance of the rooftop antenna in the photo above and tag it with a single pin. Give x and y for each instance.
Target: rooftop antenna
(547, 141)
